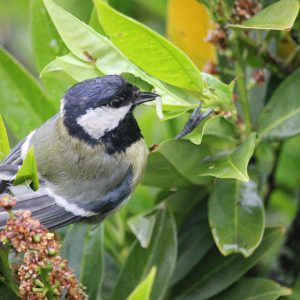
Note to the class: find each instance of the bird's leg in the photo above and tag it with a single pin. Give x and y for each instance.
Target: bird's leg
(195, 119)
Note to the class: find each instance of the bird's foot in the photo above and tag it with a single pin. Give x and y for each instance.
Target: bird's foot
(195, 119)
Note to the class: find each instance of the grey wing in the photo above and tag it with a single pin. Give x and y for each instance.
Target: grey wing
(42, 206)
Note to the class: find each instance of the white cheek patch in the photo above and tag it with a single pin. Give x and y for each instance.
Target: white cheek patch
(96, 122)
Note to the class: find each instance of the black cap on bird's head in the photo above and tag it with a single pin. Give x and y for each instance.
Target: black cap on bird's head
(97, 109)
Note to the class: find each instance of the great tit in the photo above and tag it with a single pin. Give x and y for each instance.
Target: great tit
(90, 155)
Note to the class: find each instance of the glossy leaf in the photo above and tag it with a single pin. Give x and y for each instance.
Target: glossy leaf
(83, 248)
(161, 253)
(28, 171)
(163, 60)
(22, 103)
(236, 217)
(143, 290)
(47, 45)
(98, 52)
(254, 288)
(215, 272)
(278, 16)
(281, 117)
(142, 227)
(4, 143)
(233, 165)
(193, 245)
(218, 127)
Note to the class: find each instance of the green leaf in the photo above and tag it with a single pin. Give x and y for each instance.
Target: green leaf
(254, 289)
(28, 171)
(143, 290)
(4, 143)
(47, 45)
(23, 104)
(236, 217)
(148, 49)
(98, 52)
(83, 248)
(160, 253)
(233, 165)
(7, 276)
(142, 227)
(218, 95)
(215, 272)
(217, 126)
(193, 245)
(281, 118)
(278, 16)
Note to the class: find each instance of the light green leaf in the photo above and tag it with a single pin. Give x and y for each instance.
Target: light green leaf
(218, 95)
(217, 126)
(278, 16)
(148, 49)
(86, 259)
(142, 227)
(161, 253)
(236, 217)
(215, 272)
(281, 117)
(23, 104)
(233, 165)
(143, 290)
(28, 171)
(4, 143)
(47, 45)
(98, 52)
(254, 289)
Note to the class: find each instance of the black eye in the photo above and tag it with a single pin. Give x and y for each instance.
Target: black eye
(116, 102)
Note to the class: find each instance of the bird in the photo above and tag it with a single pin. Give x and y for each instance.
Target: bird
(90, 155)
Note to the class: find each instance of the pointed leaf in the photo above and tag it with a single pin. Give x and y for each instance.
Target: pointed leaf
(4, 143)
(143, 290)
(277, 16)
(215, 272)
(160, 253)
(83, 248)
(147, 49)
(236, 217)
(281, 118)
(233, 165)
(254, 288)
(142, 227)
(23, 104)
(28, 171)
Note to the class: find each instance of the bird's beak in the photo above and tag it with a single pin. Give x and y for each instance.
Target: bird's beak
(145, 97)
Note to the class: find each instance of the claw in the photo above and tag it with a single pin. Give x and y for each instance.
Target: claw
(195, 119)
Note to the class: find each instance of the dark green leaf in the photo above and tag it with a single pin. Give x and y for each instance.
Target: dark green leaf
(28, 171)
(83, 248)
(47, 45)
(149, 50)
(278, 16)
(4, 143)
(236, 217)
(161, 253)
(193, 245)
(215, 272)
(280, 119)
(254, 289)
(24, 106)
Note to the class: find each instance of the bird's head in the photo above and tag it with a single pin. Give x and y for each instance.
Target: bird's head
(96, 107)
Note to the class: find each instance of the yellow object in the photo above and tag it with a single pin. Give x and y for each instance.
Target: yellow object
(188, 23)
